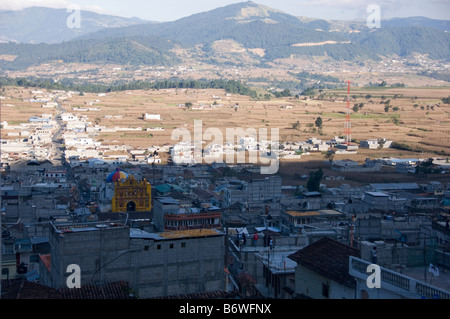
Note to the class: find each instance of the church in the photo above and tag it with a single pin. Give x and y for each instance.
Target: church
(131, 195)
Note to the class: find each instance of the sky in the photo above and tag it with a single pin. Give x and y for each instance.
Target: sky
(170, 10)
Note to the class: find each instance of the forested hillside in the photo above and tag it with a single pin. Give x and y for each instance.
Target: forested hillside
(252, 26)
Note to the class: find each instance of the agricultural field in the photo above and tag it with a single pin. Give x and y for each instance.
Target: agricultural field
(417, 120)
(416, 117)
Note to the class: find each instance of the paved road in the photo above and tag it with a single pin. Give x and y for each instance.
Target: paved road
(57, 140)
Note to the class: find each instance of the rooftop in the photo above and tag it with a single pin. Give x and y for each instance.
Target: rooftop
(24, 289)
(113, 290)
(377, 194)
(321, 212)
(82, 227)
(328, 258)
(300, 213)
(394, 186)
(190, 233)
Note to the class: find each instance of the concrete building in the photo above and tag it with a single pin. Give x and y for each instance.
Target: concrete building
(154, 264)
(322, 270)
(370, 144)
(163, 206)
(295, 220)
(253, 192)
(353, 166)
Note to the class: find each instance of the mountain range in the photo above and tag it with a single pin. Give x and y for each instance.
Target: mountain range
(48, 25)
(263, 33)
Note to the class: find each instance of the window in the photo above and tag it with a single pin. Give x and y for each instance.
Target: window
(171, 246)
(158, 246)
(146, 247)
(325, 289)
(5, 272)
(183, 245)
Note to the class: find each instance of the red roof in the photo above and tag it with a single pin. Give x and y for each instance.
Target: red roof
(24, 289)
(112, 290)
(46, 260)
(329, 258)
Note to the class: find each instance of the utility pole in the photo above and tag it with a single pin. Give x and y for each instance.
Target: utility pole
(1, 231)
(1, 235)
(348, 125)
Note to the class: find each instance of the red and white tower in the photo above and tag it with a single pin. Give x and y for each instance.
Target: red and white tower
(348, 124)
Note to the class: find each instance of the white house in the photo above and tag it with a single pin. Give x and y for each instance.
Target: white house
(68, 117)
(322, 270)
(49, 105)
(152, 116)
(370, 144)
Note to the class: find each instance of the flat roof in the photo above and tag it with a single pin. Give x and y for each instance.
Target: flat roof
(83, 227)
(322, 212)
(330, 212)
(380, 186)
(189, 233)
(300, 213)
(167, 200)
(377, 194)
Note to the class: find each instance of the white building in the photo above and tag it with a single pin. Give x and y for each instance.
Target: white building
(152, 116)
(322, 270)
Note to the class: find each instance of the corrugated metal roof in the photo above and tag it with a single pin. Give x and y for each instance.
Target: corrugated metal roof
(301, 213)
(189, 233)
(391, 186)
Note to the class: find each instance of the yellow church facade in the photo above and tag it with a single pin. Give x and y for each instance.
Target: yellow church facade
(131, 195)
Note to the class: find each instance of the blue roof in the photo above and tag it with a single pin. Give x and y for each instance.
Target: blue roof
(381, 186)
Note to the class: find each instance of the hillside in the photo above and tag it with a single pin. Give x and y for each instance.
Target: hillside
(47, 25)
(260, 32)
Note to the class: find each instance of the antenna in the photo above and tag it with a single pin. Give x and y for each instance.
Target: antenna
(348, 124)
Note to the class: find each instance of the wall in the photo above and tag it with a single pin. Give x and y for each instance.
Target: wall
(178, 266)
(309, 283)
(153, 267)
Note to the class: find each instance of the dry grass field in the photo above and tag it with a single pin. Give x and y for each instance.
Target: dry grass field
(423, 126)
(417, 117)
(421, 122)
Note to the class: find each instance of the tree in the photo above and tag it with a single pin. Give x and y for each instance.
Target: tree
(356, 108)
(296, 125)
(426, 167)
(313, 184)
(446, 100)
(318, 122)
(330, 156)
(188, 104)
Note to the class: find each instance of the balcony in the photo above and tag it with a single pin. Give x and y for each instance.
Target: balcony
(396, 283)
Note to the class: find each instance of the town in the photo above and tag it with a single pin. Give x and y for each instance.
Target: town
(154, 223)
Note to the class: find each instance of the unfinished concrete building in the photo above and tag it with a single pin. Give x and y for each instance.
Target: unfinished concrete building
(154, 264)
